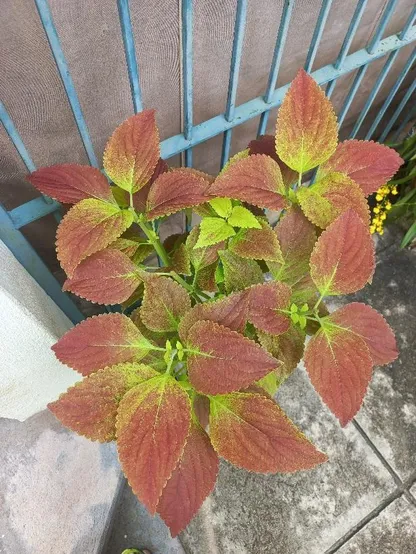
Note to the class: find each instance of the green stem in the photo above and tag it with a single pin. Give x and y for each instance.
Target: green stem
(317, 303)
(186, 285)
(154, 241)
(169, 365)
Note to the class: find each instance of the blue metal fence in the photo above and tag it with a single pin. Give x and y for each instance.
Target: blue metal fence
(12, 221)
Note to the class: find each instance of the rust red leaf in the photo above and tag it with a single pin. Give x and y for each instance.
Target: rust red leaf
(101, 341)
(107, 277)
(342, 261)
(364, 321)
(370, 164)
(90, 407)
(307, 131)
(256, 180)
(191, 482)
(339, 366)
(70, 183)
(266, 144)
(89, 226)
(231, 311)
(252, 432)
(132, 152)
(173, 191)
(164, 303)
(257, 244)
(222, 360)
(152, 426)
(265, 304)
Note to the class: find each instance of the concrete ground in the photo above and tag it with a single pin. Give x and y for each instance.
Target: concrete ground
(62, 493)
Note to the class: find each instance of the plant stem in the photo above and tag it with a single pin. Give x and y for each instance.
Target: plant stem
(169, 365)
(317, 303)
(189, 287)
(154, 241)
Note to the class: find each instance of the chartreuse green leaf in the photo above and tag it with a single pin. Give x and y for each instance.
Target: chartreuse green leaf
(101, 341)
(342, 260)
(204, 256)
(307, 130)
(132, 151)
(191, 482)
(252, 432)
(88, 227)
(328, 198)
(222, 206)
(90, 407)
(152, 426)
(269, 383)
(242, 217)
(212, 231)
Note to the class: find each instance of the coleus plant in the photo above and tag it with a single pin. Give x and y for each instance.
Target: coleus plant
(191, 373)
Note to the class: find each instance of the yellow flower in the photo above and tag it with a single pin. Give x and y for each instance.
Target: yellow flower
(383, 216)
(394, 191)
(376, 210)
(379, 197)
(381, 231)
(372, 229)
(388, 205)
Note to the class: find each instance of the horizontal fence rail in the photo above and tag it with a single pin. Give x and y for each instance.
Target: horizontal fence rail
(234, 115)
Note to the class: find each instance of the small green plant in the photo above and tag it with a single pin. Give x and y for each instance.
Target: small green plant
(397, 199)
(223, 321)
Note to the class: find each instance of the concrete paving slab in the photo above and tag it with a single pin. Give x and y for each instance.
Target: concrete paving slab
(303, 513)
(393, 531)
(388, 415)
(134, 527)
(56, 488)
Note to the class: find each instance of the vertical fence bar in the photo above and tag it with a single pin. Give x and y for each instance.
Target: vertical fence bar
(27, 256)
(17, 141)
(277, 58)
(371, 47)
(391, 94)
(239, 26)
(352, 29)
(373, 93)
(53, 39)
(23, 153)
(351, 94)
(130, 53)
(187, 59)
(317, 34)
(361, 72)
(408, 25)
(385, 18)
(398, 111)
(410, 114)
